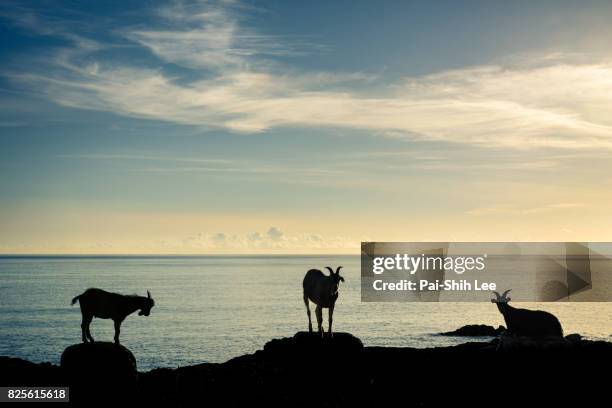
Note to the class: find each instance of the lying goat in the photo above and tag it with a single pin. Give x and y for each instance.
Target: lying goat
(523, 322)
(322, 291)
(106, 305)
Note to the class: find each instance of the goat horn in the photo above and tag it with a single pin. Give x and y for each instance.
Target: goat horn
(497, 294)
(148, 294)
(331, 271)
(338, 270)
(505, 293)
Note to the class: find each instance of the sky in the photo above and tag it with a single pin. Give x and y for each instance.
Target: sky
(302, 127)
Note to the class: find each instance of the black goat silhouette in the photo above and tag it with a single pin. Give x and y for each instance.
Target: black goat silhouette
(106, 305)
(523, 322)
(322, 290)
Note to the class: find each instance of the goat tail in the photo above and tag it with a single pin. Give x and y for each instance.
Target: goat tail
(74, 300)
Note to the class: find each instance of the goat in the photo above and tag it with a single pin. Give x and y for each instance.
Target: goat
(106, 305)
(322, 290)
(523, 322)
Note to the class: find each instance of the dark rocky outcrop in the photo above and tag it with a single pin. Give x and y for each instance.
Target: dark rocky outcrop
(305, 343)
(476, 330)
(307, 371)
(15, 371)
(509, 342)
(101, 369)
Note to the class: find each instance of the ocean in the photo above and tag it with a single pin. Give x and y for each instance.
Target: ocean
(213, 308)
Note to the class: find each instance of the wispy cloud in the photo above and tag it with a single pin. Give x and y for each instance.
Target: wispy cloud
(176, 164)
(284, 172)
(513, 210)
(48, 25)
(210, 36)
(236, 85)
(140, 157)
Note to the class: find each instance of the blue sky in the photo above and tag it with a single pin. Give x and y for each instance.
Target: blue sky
(301, 126)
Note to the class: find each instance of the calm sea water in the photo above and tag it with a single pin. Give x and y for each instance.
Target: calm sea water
(213, 308)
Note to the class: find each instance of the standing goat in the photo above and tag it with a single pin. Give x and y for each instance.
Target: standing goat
(322, 290)
(523, 322)
(106, 305)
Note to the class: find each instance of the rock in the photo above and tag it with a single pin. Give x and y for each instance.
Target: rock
(510, 342)
(476, 330)
(574, 338)
(341, 342)
(100, 371)
(15, 371)
(305, 345)
(307, 371)
(157, 387)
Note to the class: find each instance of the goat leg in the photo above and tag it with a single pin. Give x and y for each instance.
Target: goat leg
(91, 339)
(86, 335)
(83, 333)
(319, 314)
(308, 313)
(117, 331)
(331, 314)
